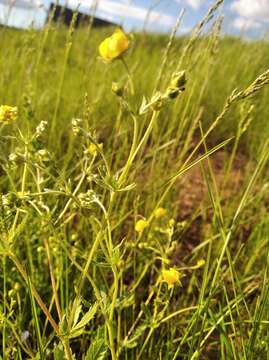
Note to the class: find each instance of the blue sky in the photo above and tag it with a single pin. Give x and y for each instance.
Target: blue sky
(250, 17)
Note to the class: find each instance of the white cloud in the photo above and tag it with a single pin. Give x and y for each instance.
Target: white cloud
(252, 8)
(194, 4)
(23, 4)
(242, 23)
(124, 9)
(251, 14)
(23, 16)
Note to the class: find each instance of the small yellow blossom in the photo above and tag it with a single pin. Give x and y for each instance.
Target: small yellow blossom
(160, 212)
(114, 46)
(171, 276)
(92, 149)
(200, 263)
(141, 225)
(8, 113)
(17, 286)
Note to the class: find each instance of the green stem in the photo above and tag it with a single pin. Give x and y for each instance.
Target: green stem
(129, 75)
(4, 304)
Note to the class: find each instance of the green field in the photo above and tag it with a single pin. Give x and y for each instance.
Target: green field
(81, 166)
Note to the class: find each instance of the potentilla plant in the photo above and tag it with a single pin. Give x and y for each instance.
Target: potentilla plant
(97, 261)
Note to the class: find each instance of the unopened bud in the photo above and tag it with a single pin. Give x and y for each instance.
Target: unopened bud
(177, 84)
(43, 155)
(41, 128)
(117, 89)
(76, 123)
(157, 101)
(178, 80)
(13, 157)
(17, 286)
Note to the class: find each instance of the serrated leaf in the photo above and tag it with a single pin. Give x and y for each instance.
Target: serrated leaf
(77, 313)
(75, 333)
(104, 300)
(96, 351)
(58, 352)
(146, 311)
(125, 301)
(132, 341)
(78, 329)
(98, 347)
(127, 188)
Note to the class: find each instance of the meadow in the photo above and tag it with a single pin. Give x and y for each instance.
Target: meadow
(134, 196)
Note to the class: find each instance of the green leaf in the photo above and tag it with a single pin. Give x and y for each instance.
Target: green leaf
(76, 316)
(132, 342)
(58, 352)
(78, 329)
(98, 347)
(125, 301)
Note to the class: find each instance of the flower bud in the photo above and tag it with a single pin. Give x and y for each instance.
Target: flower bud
(117, 89)
(160, 212)
(178, 80)
(43, 155)
(141, 225)
(17, 287)
(13, 157)
(41, 128)
(177, 84)
(76, 126)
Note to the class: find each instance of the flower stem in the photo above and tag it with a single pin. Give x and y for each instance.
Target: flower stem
(129, 75)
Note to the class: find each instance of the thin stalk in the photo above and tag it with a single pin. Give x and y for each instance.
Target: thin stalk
(4, 304)
(53, 283)
(129, 75)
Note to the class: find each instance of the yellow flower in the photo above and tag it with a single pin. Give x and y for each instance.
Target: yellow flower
(17, 286)
(200, 263)
(141, 225)
(114, 46)
(8, 113)
(160, 212)
(171, 276)
(92, 149)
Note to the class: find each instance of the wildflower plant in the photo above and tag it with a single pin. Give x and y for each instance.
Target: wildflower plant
(106, 251)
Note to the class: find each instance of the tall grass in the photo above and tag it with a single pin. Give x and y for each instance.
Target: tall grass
(81, 166)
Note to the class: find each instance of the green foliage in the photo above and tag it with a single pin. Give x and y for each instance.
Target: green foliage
(183, 130)
(98, 348)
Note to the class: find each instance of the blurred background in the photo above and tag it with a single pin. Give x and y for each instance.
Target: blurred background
(247, 17)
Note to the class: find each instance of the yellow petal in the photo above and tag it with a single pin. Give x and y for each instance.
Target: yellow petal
(114, 46)
(160, 212)
(104, 50)
(8, 113)
(171, 276)
(119, 43)
(141, 225)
